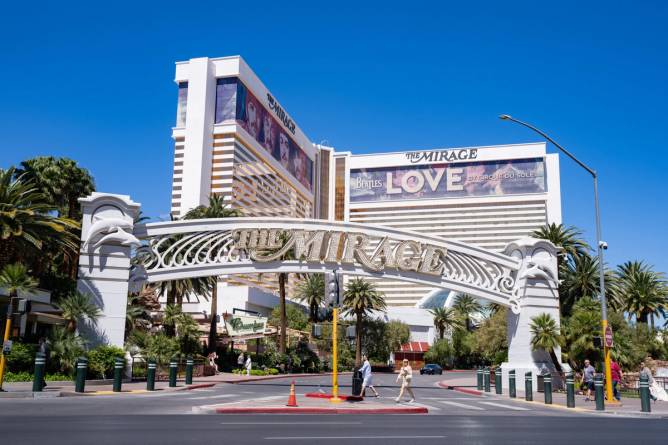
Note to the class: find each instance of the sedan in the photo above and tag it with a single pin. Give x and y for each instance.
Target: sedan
(431, 369)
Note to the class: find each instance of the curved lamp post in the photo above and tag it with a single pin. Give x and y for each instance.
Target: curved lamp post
(601, 245)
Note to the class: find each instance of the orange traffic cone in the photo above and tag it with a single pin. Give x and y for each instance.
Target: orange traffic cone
(292, 400)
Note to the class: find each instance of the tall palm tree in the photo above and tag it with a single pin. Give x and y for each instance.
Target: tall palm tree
(311, 290)
(466, 305)
(15, 278)
(76, 306)
(569, 239)
(643, 292)
(216, 208)
(545, 335)
(27, 222)
(446, 320)
(359, 299)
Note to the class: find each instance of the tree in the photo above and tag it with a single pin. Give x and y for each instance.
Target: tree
(138, 311)
(15, 278)
(491, 337)
(76, 306)
(294, 317)
(545, 335)
(311, 290)
(567, 238)
(642, 291)
(27, 222)
(466, 305)
(446, 320)
(359, 299)
(441, 353)
(217, 208)
(579, 331)
(66, 348)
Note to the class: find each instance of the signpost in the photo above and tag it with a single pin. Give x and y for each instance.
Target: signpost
(608, 337)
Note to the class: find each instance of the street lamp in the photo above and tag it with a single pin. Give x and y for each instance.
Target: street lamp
(601, 245)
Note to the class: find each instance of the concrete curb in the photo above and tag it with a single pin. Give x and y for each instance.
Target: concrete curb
(319, 395)
(30, 395)
(473, 392)
(317, 410)
(278, 376)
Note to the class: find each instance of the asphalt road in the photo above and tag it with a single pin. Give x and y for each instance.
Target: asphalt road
(164, 418)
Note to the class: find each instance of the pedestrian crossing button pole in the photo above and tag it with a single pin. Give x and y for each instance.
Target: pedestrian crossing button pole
(150, 375)
(173, 365)
(598, 385)
(570, 390)
(38, 376)
(528, 387)
(479, 378)
(119, 364)
(82, 368)
(511, 384)
(547, 388)
(645, 406)
(189, 370)
(497, 381)
(486, 376)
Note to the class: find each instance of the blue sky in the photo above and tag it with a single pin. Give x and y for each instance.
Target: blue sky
(96, 84)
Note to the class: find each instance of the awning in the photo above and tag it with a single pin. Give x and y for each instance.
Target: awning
(46, 318)
(415, 346)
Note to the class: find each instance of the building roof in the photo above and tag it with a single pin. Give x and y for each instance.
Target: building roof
(415, 346)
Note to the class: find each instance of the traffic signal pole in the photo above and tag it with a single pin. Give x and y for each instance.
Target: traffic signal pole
(335, 365)
(8, 328)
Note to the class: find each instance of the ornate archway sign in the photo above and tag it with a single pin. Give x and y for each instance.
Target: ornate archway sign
(116, 253)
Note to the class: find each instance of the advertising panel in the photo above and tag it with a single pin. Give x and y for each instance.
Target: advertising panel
(465, 179)
(244, 325)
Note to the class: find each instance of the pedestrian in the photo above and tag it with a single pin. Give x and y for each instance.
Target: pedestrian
(616, 374)
(588, 379)
(44, 349)
(248, 365)
(240, 361)
(646, 372)
(213, 356)
(367, 379)
(406, 376)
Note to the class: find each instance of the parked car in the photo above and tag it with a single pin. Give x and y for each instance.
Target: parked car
(431, 369)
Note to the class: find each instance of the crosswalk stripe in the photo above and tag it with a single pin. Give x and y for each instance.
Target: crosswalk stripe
(462, 405)
(516, 408)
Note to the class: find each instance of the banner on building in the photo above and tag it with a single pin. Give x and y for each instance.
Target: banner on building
(238, 325)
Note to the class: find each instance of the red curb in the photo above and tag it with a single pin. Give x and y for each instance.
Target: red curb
(308, 410)
(473, 392)
(319, 395)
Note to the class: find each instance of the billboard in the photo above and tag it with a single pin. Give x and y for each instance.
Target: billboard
(235, 101)
(245, 325)
(448, 180)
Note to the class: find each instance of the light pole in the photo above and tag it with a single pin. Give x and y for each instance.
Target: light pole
(334, 299)
(602, 245)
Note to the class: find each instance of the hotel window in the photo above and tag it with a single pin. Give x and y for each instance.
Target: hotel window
(182, 104)
(340, 189)
(226, 99)
(324, 184)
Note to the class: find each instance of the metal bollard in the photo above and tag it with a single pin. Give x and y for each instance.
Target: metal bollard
(570, 390)
(528, 387)
(119, 363)
(38, 376)
(150, 375)
(173, 366)
(479, 377)
(547, 388)
(497, 381)
(485, 374)
(511, 384)
(189, 371)
(82, 368)
(643, 385)
(598, 385)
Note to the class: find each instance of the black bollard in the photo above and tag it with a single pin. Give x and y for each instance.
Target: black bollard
(119, 363)
(570, 390)
(600, 397)
(486, 379)
(173, 367)
(189, 370)
(547, 388)
(511, 384)
(479, 378)
(150, 375)
(528, 387)
(38, 376)
(82, 369)
(643, 386)
(497, 381)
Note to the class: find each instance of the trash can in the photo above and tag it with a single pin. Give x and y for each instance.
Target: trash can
(357, 382)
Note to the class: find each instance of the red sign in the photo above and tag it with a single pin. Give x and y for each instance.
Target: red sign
(608, 337)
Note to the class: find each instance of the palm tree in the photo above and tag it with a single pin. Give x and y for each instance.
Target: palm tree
(15, 278)
(359, 299)
(76, 306)
(466, 305)
(170, 317)
(27, 222)
(137, 315)
(545, 335)
(217, 208)
(567, 238)
(66, 348)
(312, 291)
(643, 292)
(446, 320)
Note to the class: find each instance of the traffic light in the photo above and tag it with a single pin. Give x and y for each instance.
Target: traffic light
(316, 331)
(23, 306)
(598, 342)
(350, 332)
(333, 287)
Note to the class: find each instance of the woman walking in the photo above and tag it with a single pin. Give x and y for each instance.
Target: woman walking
(406, 376)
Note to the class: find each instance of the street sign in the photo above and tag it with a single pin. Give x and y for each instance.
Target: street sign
(7, 347)
(608, 337)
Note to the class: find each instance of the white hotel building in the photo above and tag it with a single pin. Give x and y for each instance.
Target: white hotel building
(233, 138)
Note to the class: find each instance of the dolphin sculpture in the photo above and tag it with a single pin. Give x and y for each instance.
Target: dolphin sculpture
(539, 269)
(112, 229)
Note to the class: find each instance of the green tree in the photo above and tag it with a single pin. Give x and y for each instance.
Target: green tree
(446, 320)
(466, 305)
(76, 306)
(441, 353)
(294, 318)
(382, 338)
(545, 335)
(216, 208)
(579, 331)
(311, 290)
(642, 291)
(66, 348)
(15, 278)
(569, 239)
(359, 299)
(491, 338)
(102, 359)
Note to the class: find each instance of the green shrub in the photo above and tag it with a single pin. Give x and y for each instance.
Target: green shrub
(22, 358)
(28, 377)
(101, 361)
(258, 372)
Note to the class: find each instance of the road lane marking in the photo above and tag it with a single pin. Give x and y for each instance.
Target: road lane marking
(351, 437)
(291, 423)
(221, 396)
(499, 405)
(462, 405)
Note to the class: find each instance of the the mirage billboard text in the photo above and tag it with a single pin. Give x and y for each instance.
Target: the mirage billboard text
(494, 178)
